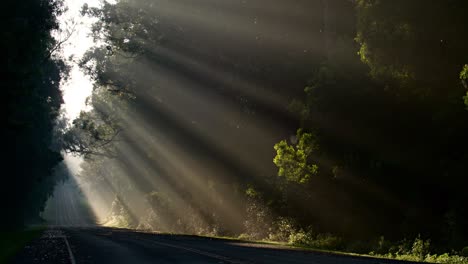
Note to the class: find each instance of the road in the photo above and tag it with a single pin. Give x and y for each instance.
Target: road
(106, 245)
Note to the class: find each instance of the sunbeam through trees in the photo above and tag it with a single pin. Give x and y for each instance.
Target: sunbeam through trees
(331, 124)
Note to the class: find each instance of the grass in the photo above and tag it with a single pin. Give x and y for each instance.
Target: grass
(410, 257)
(283, 245)
(13, 241)
(412, 251)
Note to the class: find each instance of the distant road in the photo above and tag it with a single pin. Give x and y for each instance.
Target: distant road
(106, 245)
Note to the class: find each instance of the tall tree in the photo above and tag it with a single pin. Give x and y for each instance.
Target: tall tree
(419, 45)
(32, 74)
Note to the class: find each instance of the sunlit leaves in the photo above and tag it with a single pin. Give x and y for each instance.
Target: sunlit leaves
(410, 51)
(125, 31)
(94, 132)
(251, 192)
(87, 137)
(294, 161)
(382, 37)
(464, 75)
(464, 79)
(127, 26)
(119, 215)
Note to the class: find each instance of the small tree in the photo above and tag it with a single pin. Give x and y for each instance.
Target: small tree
(294, 161)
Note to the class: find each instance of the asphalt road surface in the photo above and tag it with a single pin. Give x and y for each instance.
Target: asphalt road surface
(106, 245)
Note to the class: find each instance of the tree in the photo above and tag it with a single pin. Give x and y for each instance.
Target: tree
(32, 101)
(374, 130)
(415, 47)
(294, 161)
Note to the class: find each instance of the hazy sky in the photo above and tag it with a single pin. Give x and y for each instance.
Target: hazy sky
(75, 91)
(78, 87)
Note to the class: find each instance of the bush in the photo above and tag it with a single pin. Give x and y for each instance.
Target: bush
(402, 248)
(383, 246)
(464, 252)
(446, 258)
(358, 246)
(244, 236)
(321, 241)
(301, 238)
(420, 248)
(258, 217)
(327, 241)
(282, 230)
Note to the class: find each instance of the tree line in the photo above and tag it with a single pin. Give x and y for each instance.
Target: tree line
(380, 148)
(321, 122)
(32, 73)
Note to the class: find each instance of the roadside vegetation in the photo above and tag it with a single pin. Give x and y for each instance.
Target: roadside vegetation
(329, 124)
(14, 241)
(32, 99)
(372, 158)
(418, 249)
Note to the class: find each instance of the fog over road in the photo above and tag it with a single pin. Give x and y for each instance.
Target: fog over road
(106, 245)
(68, 206)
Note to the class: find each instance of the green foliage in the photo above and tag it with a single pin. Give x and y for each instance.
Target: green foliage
(251, 192)
(94, 132)
(120, 215)
(464, 79)
(128, 30)
(294, 161)
(31, 75)
(376, 31)
(13, 241)
(466, 99)
(360, 247)
(410, 51)
(88, 136)
(282, 230)
(420, 248)
(383, 245)
(443, 258)
(286, 230)
(464, 252)
(300, 238)
(244, 236)
(464, 74)
(446, 258)
(373, 130)
(327, 241)
(374, 148)
(258, 216)
(321, 241)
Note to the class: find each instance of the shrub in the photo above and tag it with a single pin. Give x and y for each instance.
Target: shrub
(464, 252)
(446, 258)
(420, 248)
(327, 241)
(244, 236)
(358, 246)
(258, 217)
(383, 246)
(321, 241)
(401, 248)
(301, 238)
(417, 250)
(282, 230)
